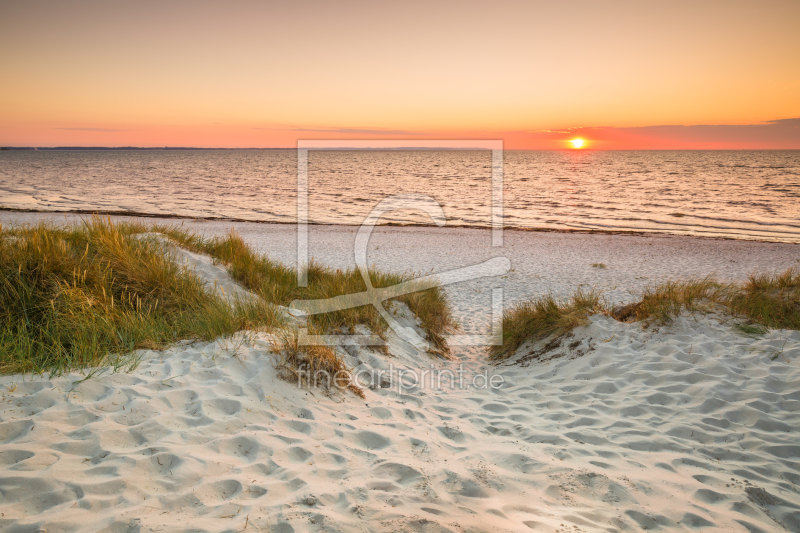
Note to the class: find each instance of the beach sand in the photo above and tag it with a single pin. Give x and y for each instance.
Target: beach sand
(690, 426)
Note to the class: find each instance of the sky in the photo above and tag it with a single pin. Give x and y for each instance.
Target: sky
(620, 75)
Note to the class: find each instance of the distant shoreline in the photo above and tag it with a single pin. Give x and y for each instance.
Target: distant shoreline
(383, 149)
(118, 148)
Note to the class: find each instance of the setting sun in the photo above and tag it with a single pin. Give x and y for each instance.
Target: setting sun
(577, 143)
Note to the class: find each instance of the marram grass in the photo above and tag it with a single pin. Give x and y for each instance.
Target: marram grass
(542, 317)
(89, 294)
(765, 301)
(276, 283)
(771, 301)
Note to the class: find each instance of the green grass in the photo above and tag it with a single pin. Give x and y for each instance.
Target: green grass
(769, 300)
(751, 330)
(89, 294)
(277, 284)
(664, 301)
(765, 301)
(544, 317)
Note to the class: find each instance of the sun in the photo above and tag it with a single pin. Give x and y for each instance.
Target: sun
(577, 143)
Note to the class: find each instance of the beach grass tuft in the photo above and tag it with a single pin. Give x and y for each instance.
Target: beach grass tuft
(766, 301)
(664, 301)
(544, 317)
(312, 365)
(769, 300)
(751, 330)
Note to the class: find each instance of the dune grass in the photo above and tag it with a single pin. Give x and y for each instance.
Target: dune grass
(664, 301)
(87, 295)
(764, 302)
(277, 284)
(770, 301)
(543, 317)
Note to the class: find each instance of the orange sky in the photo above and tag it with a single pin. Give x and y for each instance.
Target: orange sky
(534, 74)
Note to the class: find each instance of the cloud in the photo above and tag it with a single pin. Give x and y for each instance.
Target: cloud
(780, 133)
(772, 134)
(352, 131)
(106, 130)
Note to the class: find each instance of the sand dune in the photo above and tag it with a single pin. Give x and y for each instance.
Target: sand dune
(689, 426)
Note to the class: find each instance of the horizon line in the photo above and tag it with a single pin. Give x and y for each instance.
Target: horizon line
(133, 148)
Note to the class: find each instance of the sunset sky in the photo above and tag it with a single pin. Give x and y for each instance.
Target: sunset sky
(640, 74)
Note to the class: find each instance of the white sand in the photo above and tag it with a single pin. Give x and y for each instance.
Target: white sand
(684, 427)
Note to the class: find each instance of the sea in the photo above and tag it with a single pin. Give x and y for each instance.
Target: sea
(735, 194)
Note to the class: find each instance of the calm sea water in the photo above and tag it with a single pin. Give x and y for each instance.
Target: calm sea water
(739, 194)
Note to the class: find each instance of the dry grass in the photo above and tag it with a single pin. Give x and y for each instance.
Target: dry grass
(307, 366)
(766, 301)
(432, 308)
(544, 317)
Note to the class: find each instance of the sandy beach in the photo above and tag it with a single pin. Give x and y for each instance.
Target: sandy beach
(688, 426)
